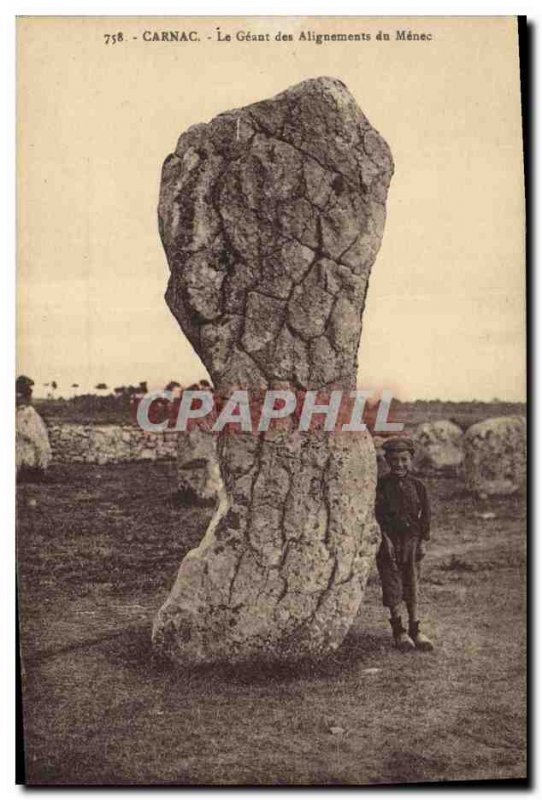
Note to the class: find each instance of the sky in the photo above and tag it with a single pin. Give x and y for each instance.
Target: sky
(445, 312)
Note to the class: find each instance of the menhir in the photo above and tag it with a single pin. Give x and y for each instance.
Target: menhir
(271, 217)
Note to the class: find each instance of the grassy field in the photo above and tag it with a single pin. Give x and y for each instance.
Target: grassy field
(98, 549)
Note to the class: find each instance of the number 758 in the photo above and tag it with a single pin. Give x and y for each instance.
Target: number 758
(113, 38)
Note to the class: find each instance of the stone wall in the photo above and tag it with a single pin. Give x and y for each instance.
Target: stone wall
(106, 444)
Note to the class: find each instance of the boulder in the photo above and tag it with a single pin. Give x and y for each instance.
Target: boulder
(271, 217)
(496, 456)
(198, 472)
(32, 447)
(439, 447)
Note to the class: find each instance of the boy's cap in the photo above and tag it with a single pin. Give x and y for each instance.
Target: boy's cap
(399, 444)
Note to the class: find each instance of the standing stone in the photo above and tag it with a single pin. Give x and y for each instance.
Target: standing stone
(496, 456)
(439, 447)
(32, 447)
(198, 472)
(271, 217)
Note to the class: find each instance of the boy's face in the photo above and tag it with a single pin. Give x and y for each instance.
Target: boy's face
(399, 463)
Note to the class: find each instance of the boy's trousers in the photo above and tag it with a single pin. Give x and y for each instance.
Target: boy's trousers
(398, 563)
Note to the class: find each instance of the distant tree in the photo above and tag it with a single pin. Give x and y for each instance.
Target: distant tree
(143, 387)
(75, 386)
(127, 391)
(54, 385)
(101, 386)
(172, 385)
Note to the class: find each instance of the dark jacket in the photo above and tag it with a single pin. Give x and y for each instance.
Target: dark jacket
(402, 507)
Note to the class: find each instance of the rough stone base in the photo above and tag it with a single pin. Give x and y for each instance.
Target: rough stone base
(282, 568)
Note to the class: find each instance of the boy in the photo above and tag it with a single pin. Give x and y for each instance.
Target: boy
(402, 511)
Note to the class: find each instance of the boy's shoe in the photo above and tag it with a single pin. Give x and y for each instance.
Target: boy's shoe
(402, 640)
(420, 640)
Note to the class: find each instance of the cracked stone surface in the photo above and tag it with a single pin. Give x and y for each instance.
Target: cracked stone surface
(271, 217)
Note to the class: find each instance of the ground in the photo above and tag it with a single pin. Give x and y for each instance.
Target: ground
(98, 550)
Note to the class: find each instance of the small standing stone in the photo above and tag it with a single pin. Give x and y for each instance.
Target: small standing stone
(496, 456)
(439, 447)
(198, 473)
(33, 450)
(32, 447)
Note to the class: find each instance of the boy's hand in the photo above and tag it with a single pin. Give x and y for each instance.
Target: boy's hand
(420, 550)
